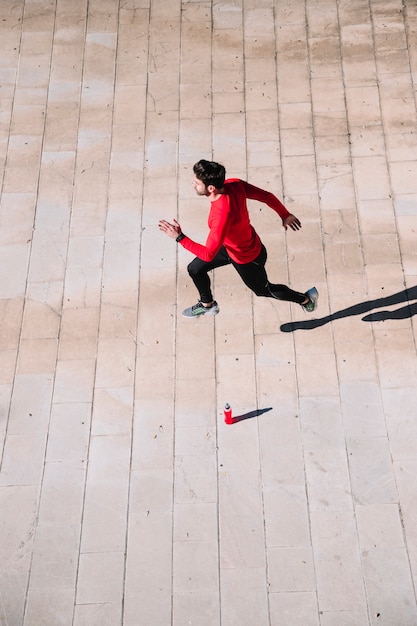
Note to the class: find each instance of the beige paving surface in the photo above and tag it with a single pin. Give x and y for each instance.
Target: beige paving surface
(124, 498)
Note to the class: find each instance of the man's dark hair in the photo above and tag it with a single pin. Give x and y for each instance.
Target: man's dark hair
(210, 173)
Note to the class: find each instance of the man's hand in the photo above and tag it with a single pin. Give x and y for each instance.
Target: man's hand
(291, 221)
(172, 230)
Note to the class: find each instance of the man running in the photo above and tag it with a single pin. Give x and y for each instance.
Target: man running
(232, 239)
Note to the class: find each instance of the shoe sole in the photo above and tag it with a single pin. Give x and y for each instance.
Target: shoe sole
(314, 297)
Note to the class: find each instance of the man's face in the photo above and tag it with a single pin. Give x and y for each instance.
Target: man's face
(200, 188)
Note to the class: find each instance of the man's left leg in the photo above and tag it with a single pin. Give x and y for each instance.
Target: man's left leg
(255, 277)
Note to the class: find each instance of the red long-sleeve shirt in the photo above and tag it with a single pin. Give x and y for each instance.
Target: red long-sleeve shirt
(230, 225)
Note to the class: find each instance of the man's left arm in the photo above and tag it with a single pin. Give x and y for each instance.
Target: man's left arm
(268, 198)
(291, 221)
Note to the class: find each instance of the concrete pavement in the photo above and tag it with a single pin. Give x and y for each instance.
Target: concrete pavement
(124, 498)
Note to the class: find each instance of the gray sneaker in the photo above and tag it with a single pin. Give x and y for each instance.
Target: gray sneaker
(313, 296)
(199, 309)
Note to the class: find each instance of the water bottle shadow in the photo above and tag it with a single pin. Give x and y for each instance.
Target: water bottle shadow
(250, 415)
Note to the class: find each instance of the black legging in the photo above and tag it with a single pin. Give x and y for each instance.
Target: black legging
(253, 275)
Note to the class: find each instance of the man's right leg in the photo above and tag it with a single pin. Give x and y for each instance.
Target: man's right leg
(198, 270)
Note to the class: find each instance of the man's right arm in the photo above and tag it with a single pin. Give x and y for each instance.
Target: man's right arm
(215, 238)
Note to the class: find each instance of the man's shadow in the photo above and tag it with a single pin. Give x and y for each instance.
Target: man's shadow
(364, 307)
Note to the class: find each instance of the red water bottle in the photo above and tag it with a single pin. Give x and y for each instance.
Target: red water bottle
(228, 419)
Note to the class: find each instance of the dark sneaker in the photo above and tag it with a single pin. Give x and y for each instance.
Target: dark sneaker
(313, 296)
(199, 309)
